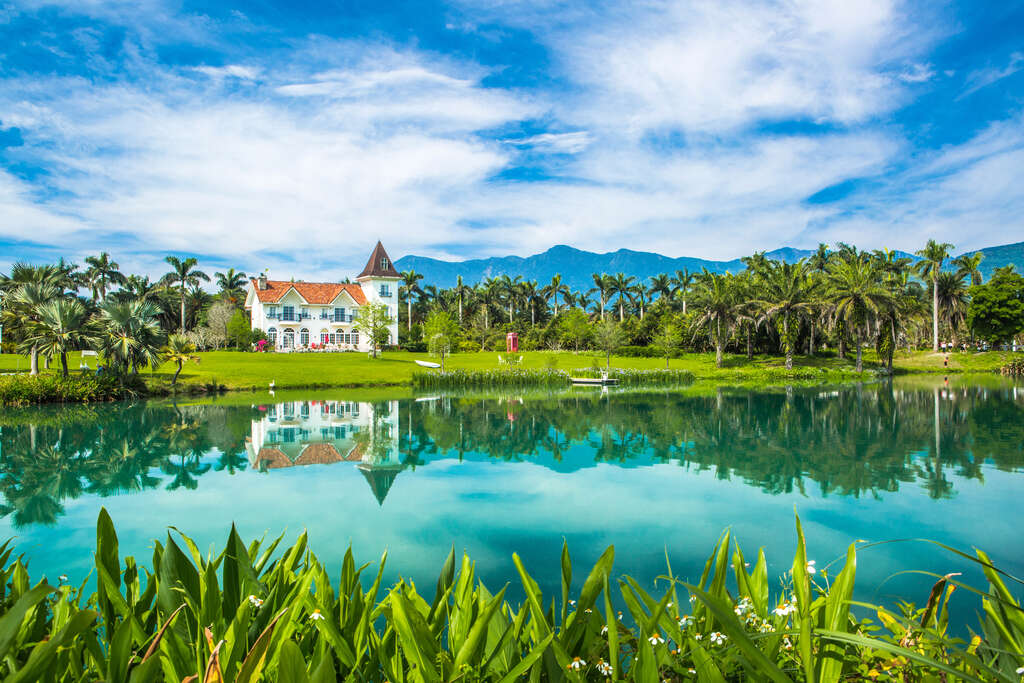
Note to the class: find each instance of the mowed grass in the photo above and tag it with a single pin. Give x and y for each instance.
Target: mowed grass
(251, 371)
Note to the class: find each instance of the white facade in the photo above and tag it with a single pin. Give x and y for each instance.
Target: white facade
(297, 315)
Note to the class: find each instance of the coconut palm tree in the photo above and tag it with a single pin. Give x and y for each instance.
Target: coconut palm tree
(661, 287)
(179, 350)
(131, 335)
(681, 285)
(552, 290)
(410, 284)
(62, 326)
(137, 287)
(462, 291)
(231, 284)
(932, 257)
(638, 294)
(620, 286)
(858, 298)
(184, 274)
(787, 296)
(970, 266)
(602, 286)
(511, 292)
(531, 293)
(100, 274)
(715, 299)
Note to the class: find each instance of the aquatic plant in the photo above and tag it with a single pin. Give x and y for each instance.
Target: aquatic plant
(257, 612)
(638, 378)
(496, 378)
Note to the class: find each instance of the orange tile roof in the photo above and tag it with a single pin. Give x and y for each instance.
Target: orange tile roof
(318, 454)
(312, 292)
(272, 459)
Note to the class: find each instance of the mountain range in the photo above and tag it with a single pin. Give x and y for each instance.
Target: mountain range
(577, 266)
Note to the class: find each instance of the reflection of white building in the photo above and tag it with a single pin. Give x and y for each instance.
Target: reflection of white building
(324, 432)
(296, 314)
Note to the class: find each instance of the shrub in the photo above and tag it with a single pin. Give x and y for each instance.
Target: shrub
(510, 377)
(19, 390)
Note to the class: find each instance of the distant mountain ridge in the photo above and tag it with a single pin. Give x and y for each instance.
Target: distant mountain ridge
(577, 266)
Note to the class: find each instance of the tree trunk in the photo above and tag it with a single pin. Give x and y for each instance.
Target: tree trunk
(750, 344)
(533, 315)
(33, 361)
(602, 306)
(810, 343)
(510, 314)
(788, 344)
(64, 363)
(718, 344)
(684, 306)
(408, 302)
(935, 314)
(556, 303)
(860, 363)
(621, 314)
(842, 347)
(183, 308)
(174, 380)
(460, 308)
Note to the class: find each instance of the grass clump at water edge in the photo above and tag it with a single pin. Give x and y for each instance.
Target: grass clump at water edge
(243, 615)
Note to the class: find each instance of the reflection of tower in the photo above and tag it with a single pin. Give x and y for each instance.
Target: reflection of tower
(379, 450)
(380, 479)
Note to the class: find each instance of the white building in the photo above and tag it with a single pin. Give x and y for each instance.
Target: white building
(296, 314)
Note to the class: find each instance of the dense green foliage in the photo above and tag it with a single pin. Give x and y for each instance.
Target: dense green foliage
(16, 390)
(996, 311)
(259, 612)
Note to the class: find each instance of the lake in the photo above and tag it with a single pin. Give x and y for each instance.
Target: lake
(656, 474)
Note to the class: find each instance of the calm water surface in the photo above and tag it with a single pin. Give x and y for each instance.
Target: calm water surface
(650, 473)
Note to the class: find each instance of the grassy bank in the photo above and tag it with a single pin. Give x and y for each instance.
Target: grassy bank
(252, 614)
(249, 371)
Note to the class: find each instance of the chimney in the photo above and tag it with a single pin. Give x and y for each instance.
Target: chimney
(261, 282)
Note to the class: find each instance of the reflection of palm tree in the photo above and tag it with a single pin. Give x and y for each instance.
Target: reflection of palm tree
(184, 472)
(232, 462)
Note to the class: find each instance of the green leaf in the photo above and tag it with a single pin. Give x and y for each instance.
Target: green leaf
(477, 633)
(252, 667)
(10, 623)
(837, 618)
(291, 666)
(912, 655)
(529, 660)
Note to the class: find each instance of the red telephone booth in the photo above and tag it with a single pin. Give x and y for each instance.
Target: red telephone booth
(511, 342)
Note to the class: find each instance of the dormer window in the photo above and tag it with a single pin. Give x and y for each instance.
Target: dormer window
(384, 265)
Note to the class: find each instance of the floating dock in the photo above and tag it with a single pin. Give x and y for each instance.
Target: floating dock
(594, 381)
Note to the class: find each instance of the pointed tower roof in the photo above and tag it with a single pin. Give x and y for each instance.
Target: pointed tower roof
(379, 264)
(380, 479)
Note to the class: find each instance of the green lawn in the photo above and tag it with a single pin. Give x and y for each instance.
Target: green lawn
(241, 371)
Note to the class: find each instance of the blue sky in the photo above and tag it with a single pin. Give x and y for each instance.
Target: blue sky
(293, 135)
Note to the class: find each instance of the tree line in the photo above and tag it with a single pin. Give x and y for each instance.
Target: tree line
(842, 298)
(49, 311)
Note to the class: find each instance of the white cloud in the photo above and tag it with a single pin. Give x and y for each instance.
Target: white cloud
(247, 73)
(562, 143)
(976, 80)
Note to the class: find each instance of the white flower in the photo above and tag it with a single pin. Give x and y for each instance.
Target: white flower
(316, 616)
(718, 638)
(691, 671)
(588, 611)
(698, 636)
(669, 605)
(685, 621)
(256, 602)
(810, 567)
(656, 639)
(604, 668)
(620, 616)
(576, 664)
(604, 630)
(63, 578)
(787, 642)
(693, 598)
(572, 603)
(785, 609)
(1020, 670)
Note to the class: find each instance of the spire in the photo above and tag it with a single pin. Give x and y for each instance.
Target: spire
(380, 479)
(379, 264)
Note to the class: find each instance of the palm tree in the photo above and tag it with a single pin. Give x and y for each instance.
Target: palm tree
(970, 265)
(489, 294)
(511, 292)
(953, 300)
(620, 285)
(661, 286)
(101, 273)
(138, 287)
(530, 293)
(554, 289)
(858, 297)
(461, 291)
(787, 297)
(231, 284)
(178, 350)
(715, 298)
(22, 306)
(184, 274)
(602, 283)
(681, 285)
(131, 335)
(410, 280)
(929, 267)
(638, 293)
(62, 326)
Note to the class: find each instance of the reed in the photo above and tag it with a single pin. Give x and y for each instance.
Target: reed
(260, 612)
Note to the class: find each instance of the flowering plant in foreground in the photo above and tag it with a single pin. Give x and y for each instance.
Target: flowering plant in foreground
(255, 612)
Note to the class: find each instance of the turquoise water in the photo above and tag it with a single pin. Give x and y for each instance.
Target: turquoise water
(654, 474)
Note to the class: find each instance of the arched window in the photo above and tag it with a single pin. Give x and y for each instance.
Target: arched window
(304, 336)
(272, 336)
(288, 340)
(325, 337)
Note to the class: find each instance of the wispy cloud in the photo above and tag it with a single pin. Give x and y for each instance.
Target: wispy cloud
(976, 80)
